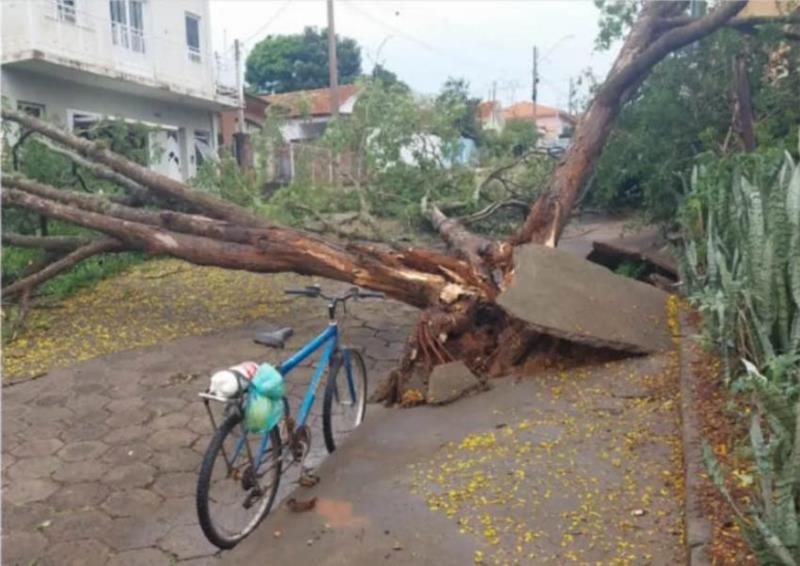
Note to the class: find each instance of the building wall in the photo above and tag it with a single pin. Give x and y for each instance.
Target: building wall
(62, 98)
(34, 28)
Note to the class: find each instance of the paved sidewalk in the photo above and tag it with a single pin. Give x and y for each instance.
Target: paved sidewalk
(100, 459)
(573, 468)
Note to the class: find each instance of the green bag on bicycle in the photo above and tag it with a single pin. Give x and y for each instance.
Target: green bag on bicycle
(265, 399)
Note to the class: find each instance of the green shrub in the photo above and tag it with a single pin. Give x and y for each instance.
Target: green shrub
(741, 265)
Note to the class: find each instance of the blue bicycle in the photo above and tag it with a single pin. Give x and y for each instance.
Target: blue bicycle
(241, 471)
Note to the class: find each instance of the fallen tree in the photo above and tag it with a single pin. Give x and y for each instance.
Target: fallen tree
(457, 291)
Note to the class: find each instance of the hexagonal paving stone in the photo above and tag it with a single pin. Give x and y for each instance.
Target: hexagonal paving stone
(37, 447)
(51, 400)
(74, 496)
(129, 418)
(22, 547)
(129, 533)
(187, 541)
(177, 511)
(125, 404)
(76, 553)
(132, 475)
(128, 454)
(171, 438)
(162, 405)
(50, 415)
(142, 557)
(88, 403)
(173, 420)
(82, 524)
(176, 484)
(204, 561)
(85, 427)
(200, 425)
(23, 491)
(132, 503)
(177, 460)
(40, 467)
(83, 471)
(125, 434)
(25, 517)
(87, 450)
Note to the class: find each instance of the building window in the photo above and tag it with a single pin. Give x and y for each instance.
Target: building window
(127, 24)
(193, 37)
(66, 10)
(31, 108)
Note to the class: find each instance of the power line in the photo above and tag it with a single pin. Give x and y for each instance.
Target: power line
(265, 27)
(421, 42)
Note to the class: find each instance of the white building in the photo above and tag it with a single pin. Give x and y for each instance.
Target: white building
(149, 61)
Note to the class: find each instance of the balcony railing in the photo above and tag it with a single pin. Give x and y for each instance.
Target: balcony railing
(65, 29)
(127, 37)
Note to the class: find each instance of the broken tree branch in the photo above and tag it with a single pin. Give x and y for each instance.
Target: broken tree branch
(26, 284)
(160, 184)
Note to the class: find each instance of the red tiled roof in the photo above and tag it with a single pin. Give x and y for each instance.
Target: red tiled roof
(486, 108)
(523, 110)
(316, 102)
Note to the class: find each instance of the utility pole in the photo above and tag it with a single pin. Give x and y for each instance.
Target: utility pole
(494, 91)
(332, 64)
(333, 70)
(237, 49)
(571, 98)
(535, 81)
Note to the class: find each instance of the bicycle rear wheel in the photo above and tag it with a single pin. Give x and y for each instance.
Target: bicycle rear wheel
(345, 398)
(233, 494)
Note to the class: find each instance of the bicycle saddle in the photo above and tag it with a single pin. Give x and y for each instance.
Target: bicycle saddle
(274, 338)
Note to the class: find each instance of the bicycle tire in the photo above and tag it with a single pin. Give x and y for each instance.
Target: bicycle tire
(359, 369)
(207, 524)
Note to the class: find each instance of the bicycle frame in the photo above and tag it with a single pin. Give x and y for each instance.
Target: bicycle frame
(329, 339)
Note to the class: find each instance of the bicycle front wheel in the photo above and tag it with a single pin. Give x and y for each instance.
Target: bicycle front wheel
(345, 398)
(234, 493)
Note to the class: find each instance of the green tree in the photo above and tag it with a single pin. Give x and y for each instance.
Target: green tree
(454, 96)
(387, 78)
(285, 63)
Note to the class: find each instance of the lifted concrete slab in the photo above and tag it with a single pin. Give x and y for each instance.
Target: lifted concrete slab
(565, 296)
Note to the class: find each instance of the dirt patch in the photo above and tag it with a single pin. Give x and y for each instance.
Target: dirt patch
(148, 304)
(722, 425)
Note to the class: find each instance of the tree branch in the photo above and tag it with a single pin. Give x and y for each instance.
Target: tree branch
(160, 184)
(59, 266)
(47, 243)
(669, 41)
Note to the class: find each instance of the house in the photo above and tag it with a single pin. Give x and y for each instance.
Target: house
(306, 113)
(490, 115)
(309, 111)
(553, 124)
(255, 109)
(76, 62)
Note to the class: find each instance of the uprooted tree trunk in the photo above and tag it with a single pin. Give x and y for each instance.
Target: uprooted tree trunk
(457, 291)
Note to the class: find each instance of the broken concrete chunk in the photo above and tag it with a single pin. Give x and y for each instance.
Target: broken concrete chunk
(568, 297)
(450, 381)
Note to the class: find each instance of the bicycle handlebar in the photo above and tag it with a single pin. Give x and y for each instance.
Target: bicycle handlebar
(314, 291)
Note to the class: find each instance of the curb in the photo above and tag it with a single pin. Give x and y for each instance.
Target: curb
(697, 526)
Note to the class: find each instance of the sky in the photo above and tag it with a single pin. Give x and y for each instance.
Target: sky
(488, 42)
